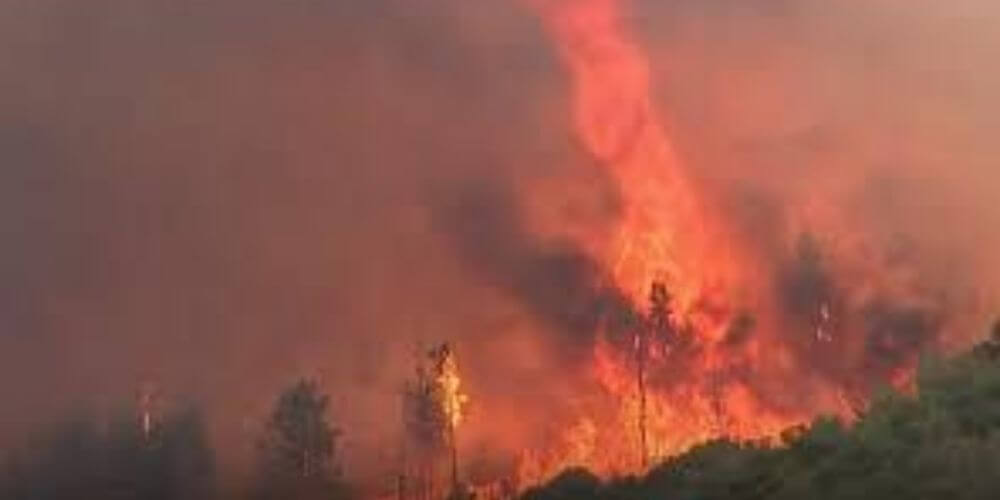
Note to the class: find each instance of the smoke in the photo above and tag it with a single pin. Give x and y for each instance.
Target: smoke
(556, 281)
(221, 197)
(874, 113)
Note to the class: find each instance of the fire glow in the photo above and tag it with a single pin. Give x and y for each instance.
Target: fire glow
(700, 374)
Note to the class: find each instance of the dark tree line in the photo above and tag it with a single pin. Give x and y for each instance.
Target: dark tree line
(82, 460)
(168, 457)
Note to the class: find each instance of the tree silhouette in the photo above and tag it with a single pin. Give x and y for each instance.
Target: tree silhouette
(424, 430)
(298, 449)
(658, 327)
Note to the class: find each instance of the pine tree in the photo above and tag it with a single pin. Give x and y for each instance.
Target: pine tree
(423, 426)
(299, 446)
(433, 408)
(657, 327)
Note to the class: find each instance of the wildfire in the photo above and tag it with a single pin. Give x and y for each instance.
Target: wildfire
(668, 246)
(718, 341)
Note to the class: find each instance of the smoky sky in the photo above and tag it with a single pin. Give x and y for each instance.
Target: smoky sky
(222, 196)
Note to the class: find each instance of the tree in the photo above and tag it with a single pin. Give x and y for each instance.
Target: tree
(450, 401)
(659, 327)
(433, 407)
(298, 449)
(424, 428)
(659, 309)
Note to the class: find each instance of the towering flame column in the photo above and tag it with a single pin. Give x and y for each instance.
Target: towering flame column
(662, 234)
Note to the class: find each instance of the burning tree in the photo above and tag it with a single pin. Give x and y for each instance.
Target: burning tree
(299, 446)
(657, 327)
(433, 408)
(450, 400)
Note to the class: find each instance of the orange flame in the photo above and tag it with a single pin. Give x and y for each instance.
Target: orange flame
(666, 235)
(720, 350)
(453, 401)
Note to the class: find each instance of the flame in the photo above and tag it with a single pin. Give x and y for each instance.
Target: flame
(689, 371)
(453, 401)
(664, 234)
(667, 235)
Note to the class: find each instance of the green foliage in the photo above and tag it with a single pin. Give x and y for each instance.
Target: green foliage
(942, 442)
(572, 484)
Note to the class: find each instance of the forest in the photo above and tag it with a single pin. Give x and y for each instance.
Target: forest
(938, 440)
